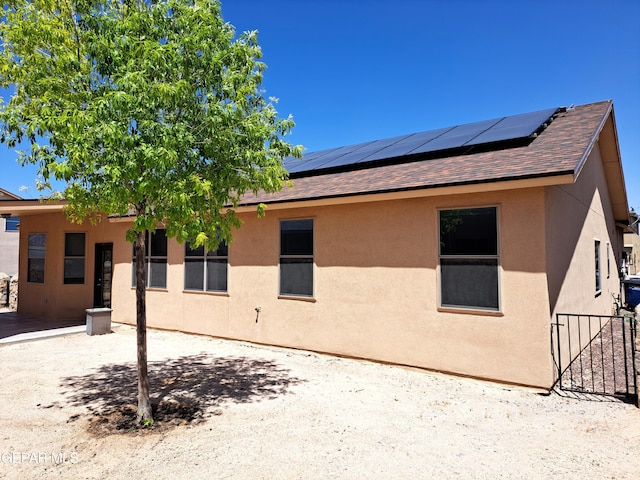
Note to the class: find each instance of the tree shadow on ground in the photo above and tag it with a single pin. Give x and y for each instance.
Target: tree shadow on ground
(184, 390)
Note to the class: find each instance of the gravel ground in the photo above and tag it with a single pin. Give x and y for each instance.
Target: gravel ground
(261, 412)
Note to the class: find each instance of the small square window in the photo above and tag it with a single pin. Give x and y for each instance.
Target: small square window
(12, 224)
(206, 271)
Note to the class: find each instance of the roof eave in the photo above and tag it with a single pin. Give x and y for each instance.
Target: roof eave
(606, 137)
(533, 181)
(21, 208)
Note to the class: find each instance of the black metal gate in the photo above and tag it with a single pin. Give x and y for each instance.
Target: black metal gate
(594, 354)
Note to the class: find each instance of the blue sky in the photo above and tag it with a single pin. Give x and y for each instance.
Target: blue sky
(355, 70)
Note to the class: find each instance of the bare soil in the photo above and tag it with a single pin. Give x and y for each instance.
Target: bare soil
(235, 410)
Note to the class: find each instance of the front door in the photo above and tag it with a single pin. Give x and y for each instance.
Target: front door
(103, 270)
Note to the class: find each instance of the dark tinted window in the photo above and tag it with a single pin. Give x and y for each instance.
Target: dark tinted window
(206, 272)
(296, 257)
(74, 253)
(468, 232)
(296, 237)
(74, 244)
(36, 253)
(469, 258)
(469, 283)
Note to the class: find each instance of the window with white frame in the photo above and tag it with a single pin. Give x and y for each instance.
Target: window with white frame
(37, 243)
(206, 271)
(12, 224)
(469, 258)
(74, 255)
(296, 257)
(155, 259)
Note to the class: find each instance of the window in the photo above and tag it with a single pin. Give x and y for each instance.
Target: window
(469, 258)
(74, 249)
(205, 271)
(608, 261)
(36, 253)
(597, 258)
(12, 224)
(296, 257)
(155, 260)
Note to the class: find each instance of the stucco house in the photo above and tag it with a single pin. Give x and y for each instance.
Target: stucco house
(9, 236)
(632, 245)
(450, 250)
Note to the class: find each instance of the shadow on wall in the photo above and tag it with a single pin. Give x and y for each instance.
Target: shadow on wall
(203, 381)
(563, 240)
(568, 227)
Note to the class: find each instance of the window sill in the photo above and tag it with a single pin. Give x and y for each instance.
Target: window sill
(202, 292)
(598, 293)
(153, 289)
(294, 297)
(470, 311)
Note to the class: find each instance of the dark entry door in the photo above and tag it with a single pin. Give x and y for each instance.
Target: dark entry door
(103, 270)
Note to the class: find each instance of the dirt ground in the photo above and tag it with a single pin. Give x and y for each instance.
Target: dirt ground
(231, 410)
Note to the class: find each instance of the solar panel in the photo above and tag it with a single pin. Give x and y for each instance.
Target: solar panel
(306, 163)
(362, 154)
(337, 157)
(456, 136)
(407, 144)
(306, 157)
(471, 128)
(514, 127)
(501, 134)
(538, 118)
(445, 140)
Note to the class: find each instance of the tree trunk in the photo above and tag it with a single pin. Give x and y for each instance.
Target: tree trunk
(145, 413)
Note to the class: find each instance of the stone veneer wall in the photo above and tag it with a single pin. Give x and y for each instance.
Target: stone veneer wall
(13, 293)
(4, 289)
(8, 291)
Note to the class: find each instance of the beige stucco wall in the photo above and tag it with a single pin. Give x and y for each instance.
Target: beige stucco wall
(53, 298)
(375, 281)
(8, 250)
(376, 285)
(376, 289)
(577, 215)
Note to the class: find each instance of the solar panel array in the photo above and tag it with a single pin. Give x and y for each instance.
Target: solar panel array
(432, 143)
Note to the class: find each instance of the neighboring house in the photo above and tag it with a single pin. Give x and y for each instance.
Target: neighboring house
(632, 245)
(450, 250)
(9, 238)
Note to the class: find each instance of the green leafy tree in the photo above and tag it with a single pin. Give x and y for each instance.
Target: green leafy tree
(143, 107)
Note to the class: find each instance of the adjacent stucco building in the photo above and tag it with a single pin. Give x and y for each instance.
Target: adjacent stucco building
(632, 246)
(454, 260)
(9, 237)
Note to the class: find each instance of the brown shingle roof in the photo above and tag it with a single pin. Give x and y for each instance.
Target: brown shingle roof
(6, 195)
(559, 149)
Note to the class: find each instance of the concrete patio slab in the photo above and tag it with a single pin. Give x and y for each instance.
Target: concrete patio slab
(17, 327)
